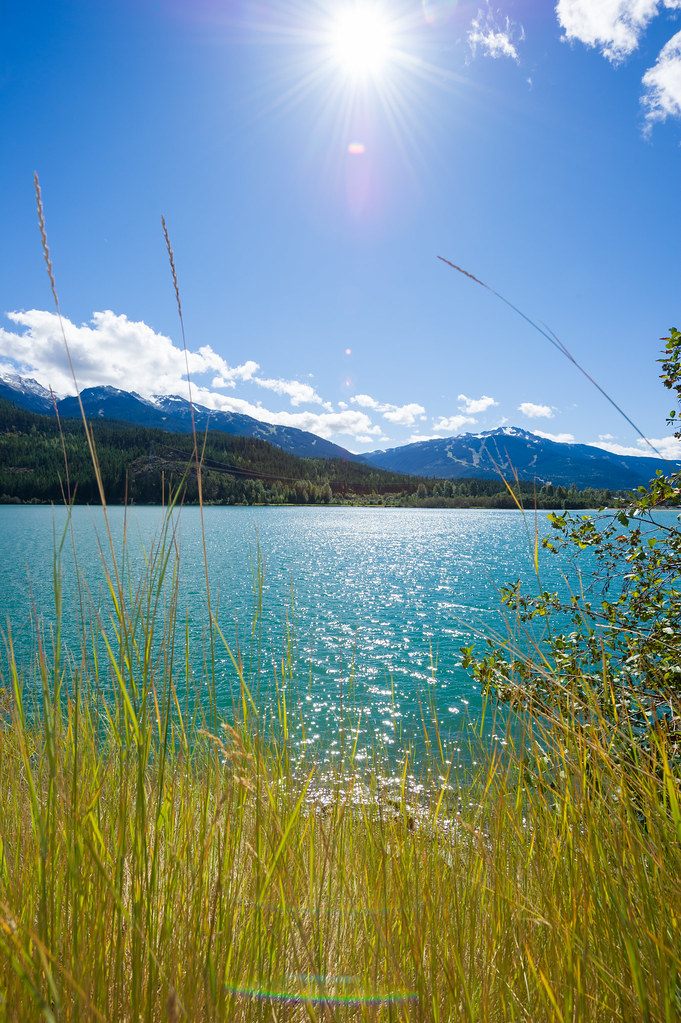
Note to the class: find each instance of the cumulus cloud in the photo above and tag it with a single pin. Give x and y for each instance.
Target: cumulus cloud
(298, 393)
(365, 401)
(416, 438)
(107, 351)
(405, 415)
(468, 409)
(668, 447)
(452, 424)
(401, 415)
(494, 35)
(532, 411)
(560, 438)
(614, 26)
(113, 350)
(471, 406)
(349, 422)
(662, 84)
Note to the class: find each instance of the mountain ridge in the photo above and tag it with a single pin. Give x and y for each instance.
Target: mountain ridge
(170, 413)
(512, 450)
(505, 451)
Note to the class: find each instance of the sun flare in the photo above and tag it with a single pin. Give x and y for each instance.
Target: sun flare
(361, 40)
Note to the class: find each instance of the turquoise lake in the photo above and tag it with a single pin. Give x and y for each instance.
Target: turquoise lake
(376, 602)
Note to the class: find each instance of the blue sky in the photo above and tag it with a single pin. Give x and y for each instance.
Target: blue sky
(313, 158)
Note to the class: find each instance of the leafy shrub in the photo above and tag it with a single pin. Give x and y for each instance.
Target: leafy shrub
(609, 658)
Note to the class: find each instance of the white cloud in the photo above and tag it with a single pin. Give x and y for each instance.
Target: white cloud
(560, 438)
(662, 84)
(614, 448)
(365, 401)
(299, 394)
(325, 424)
(605, 436)
(452, 424)
(532, 411)
(614, 26)
(468, 408)
(248, 370)
(112, 350)
(668, 447)
(405, 415)
(416, 438)
(495, 38)
(401, 415)
(471, 406)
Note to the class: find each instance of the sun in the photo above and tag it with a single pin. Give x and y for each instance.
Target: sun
(361, 40)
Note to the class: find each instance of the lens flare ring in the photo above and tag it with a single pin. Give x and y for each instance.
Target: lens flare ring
(306, 997)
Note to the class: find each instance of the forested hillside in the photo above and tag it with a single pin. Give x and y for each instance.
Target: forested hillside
(143, 466)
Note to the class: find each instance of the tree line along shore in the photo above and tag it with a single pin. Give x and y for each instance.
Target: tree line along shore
(140, 465)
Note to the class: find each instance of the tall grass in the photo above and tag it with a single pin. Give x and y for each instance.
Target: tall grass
(152, 868)
(157, 863)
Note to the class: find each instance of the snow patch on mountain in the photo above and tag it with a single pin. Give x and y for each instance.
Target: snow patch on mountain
(26, 385)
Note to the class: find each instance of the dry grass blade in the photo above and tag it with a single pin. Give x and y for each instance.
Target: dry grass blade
(197, 459)
(553, 340)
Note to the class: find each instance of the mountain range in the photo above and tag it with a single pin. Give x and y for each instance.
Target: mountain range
(510, 450)
(505, 451)
(165, 412)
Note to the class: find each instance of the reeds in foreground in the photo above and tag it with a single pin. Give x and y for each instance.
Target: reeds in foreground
(153, 868)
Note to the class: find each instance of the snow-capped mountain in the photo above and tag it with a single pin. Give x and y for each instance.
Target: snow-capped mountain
(25, 392)
(510, 449)
(504, 451)
(165, 412)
